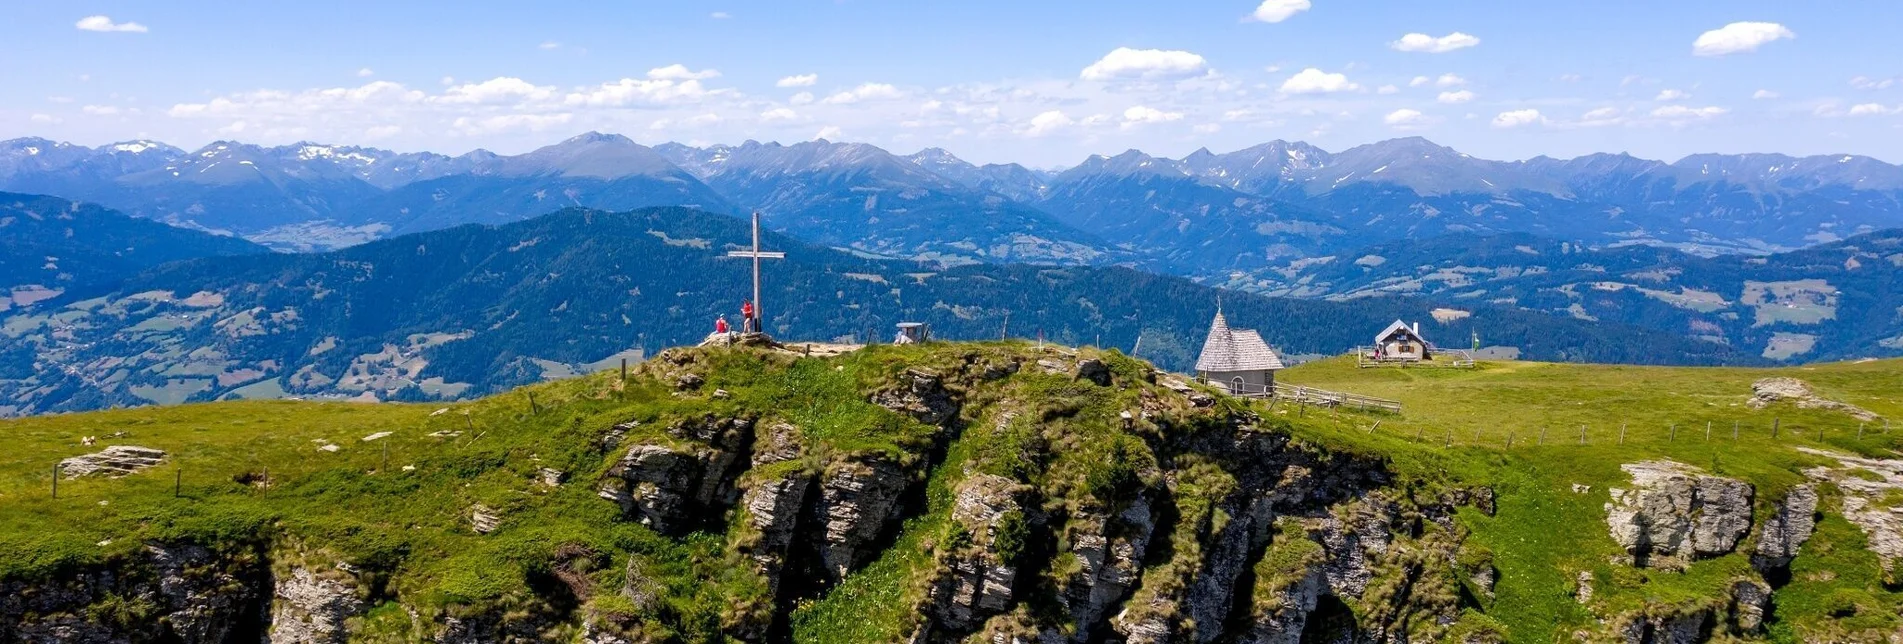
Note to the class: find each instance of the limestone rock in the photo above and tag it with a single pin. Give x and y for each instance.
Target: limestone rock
(483, 519)
(858, 501)
(1786, 530)
(1673, 511)
(1283, 623)
(1771, 390)
(1582, 589)
(974, 580)
(1667, 628)
(780, 443)
(1865, 483)
(773, 512)
(311, 609)
(1109, 553)
(1750, 600)
(550, 476)
(921, 394)
(670, 489)
(115, 461)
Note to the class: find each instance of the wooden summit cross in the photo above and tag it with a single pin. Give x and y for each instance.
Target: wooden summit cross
(759, 312)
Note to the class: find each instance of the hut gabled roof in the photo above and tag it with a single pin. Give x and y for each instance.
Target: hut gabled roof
(1235, 350)
(1397, 326)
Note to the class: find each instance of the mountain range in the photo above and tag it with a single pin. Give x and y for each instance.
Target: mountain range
(478, 308)
(1201, 215)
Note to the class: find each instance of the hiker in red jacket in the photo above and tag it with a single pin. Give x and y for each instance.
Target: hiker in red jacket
(747, 323)
(720, 325)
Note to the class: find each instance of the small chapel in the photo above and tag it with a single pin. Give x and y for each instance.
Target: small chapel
(1237, 359)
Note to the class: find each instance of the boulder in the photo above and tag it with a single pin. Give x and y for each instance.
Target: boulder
(1750, 600)
(115, 461)
(1673, 511)
(1094, 370)
(1786, 530)
(674, 489)
(1772, 390)
(921, 394)
(310, 608)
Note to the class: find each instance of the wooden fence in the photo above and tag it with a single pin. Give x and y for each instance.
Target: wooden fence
(1300, 395)
(1443, 359)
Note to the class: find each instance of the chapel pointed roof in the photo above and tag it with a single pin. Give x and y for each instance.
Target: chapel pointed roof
(1229, 349)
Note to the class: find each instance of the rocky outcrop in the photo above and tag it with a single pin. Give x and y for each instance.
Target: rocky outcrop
(675, 489)
(1673, 511)
(858, 502)
(1866, 484)
(977, 567)
(311, 607)
(921, 394)
(1750, 601)
(1665, 627)
(1094, 370)
(1108, 555)
(1786, 530)
(1772, 390)
(773, 508)
(184, 592)
(114, 461)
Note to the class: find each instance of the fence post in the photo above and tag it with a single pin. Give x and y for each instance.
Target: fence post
(1621, 433)
(1734, 430)
(1450, 438)
(1509, 440)
(624, 370)
(1542, 440)
(1775, 422)
(1860, 430)
(1582, 434)
(178, 481)
(1377, 425)
(532, 410)
(56, 480)
(1707, 431)
(1672, 435)
(1418, 431)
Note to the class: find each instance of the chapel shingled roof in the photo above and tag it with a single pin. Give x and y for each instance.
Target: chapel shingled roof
(1235, 350)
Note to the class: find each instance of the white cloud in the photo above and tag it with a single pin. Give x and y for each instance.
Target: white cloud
(100, 110)
(1419, 81)
(1140, 115)
(680, 72)
(45, 118)
(1048, 122)
(865, 92)
(1449, 80)
(1278, 10)
(1683, 113)
(1569, 78)
(1207, 128)
(801, 80)
(1424, 43)
(1671, 95)
(105, 24)
(1387, 89)
(448, 80)
(502, 89)
(1315, 81)
(779, 114)
(720, 15)
(1763, 94)
(365, 73)
(629, 91)
(828, 132)
(550, 45)
(1601, 117)
(509, 123)
(1458, 96)
(1872, 109)
(1865, 83)
(1517, 118)
(801, 98)
(1738, 37)
(382, 132)
(1404, 118)
(1124, 63)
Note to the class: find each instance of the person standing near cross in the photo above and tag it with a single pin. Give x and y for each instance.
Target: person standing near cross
(758, 311)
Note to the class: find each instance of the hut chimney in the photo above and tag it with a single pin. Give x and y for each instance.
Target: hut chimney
(1417, 327)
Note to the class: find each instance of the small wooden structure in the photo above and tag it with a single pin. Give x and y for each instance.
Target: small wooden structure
(913, 333)
(1401, 345)
(1237, 359)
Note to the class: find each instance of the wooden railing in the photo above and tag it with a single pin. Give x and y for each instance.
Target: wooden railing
(1301, 395)
(1443, 358)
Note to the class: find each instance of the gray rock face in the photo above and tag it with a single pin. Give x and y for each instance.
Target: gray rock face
(773, 511)
(669, 488)
(779, 443)
(1210, 597)
(115, 461)
(1686, 628)
(1786, 530)
(1673, 511)
(1283, 623)
(311, 609)
(193, 594)
(1750, 600)
(484, 520)
(1863, 498)
(1109, 551)
(921, 394)
(858, 501)
(974, 581)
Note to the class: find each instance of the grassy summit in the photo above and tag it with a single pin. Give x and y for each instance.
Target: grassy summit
(1033, 462)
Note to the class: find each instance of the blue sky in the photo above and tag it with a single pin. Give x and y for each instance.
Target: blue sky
(1043, 83)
